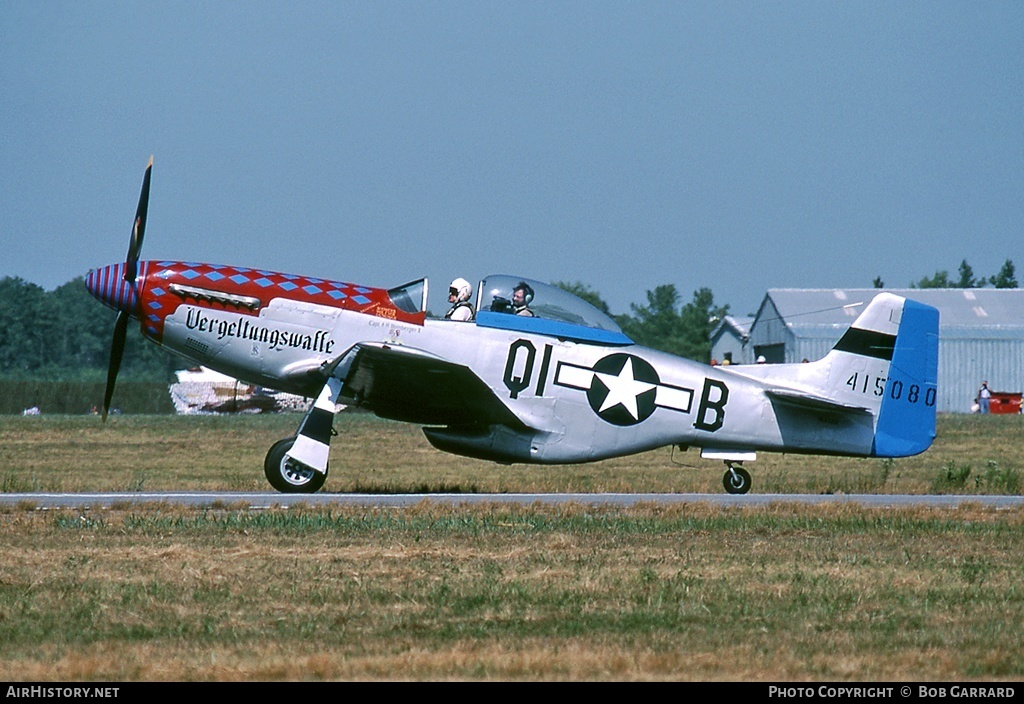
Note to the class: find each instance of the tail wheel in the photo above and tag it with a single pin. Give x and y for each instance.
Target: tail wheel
(288, 476)
(736, 480)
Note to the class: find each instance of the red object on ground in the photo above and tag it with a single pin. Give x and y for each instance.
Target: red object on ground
(1004, 402)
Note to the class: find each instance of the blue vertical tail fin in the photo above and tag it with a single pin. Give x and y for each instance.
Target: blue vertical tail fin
(906, 418)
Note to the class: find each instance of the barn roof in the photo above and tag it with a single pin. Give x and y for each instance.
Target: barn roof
(740, 326)
(973, 312)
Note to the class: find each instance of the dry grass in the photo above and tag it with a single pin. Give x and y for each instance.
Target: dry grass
(685, 592)
(498, 593)
(973, 454)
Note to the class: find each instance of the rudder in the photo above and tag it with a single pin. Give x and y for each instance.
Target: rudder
(906, 419)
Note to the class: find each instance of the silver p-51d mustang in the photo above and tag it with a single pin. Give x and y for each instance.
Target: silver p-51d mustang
(562, 386)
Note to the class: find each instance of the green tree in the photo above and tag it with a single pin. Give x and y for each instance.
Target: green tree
(699, 317)
(664, 324)
(82, 339)
(65, 335)
(1006, 278)
(25, 324)
(656, 324)
(940, 280)
(586, 293)
(967, 279)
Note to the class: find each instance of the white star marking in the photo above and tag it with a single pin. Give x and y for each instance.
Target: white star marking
(623, 389)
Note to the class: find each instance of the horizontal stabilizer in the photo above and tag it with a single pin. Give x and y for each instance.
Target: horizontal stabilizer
(809, 402)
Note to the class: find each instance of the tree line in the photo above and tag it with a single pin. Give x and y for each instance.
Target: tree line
(1006, 277)
(64, 334)
(684, 329)
(665, 323)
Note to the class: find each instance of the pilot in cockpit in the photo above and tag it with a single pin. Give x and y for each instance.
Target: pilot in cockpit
(522, 296)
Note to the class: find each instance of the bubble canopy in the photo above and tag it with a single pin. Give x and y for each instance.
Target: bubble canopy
(556, 312)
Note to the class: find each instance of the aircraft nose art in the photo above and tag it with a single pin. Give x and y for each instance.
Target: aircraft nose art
(108, 286)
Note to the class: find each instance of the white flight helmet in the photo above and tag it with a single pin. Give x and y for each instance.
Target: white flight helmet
(461, 289)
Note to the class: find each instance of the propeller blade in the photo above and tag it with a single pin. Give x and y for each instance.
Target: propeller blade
(116, 351)
(139, 228)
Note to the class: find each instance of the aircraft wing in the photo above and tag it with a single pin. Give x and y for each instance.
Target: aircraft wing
(410, 385)
(810, 402)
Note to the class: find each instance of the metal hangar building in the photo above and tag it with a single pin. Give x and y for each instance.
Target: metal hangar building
(981, 333)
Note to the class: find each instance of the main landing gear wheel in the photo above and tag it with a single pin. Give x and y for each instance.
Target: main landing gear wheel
(288, 476)
(736, 479)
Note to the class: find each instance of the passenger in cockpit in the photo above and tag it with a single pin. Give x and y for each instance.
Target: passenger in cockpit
(459, 294)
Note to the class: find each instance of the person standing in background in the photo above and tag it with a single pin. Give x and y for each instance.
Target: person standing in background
(984, 395)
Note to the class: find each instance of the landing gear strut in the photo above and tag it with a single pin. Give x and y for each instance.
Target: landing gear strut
(736, 479)
(299, 464)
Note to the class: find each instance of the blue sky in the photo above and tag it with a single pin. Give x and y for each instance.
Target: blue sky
(738, 146)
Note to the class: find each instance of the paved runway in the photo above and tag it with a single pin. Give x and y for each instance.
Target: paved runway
(256, 501)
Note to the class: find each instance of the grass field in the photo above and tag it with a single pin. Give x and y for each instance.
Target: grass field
(972, 454)
(497, 593)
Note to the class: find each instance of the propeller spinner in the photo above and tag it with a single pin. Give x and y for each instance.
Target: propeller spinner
(117, 287)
